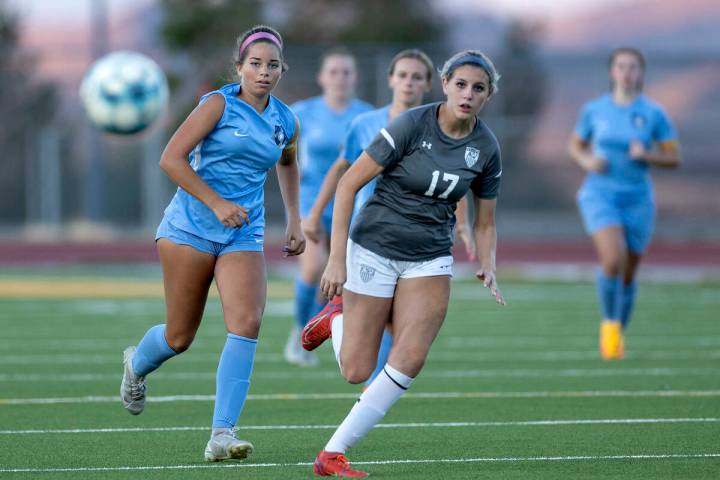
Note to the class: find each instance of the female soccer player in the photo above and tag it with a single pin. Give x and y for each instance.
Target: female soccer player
(398, 253)
(409, 78)
(617, 138)
(214, 227)
(324, 120)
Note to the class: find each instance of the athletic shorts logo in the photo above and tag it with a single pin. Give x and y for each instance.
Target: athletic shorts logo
(279, 136)
(471, 156)
(366, 272)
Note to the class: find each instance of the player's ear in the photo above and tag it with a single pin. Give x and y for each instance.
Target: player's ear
(444, 82)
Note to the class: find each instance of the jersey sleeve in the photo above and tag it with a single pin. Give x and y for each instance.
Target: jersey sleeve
(663, 129)
(223, 118)
(351, 146)
(391, 144)
(583, 127)
(487, 184)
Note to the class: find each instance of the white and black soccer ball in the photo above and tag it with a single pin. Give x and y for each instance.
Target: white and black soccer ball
(124, 92)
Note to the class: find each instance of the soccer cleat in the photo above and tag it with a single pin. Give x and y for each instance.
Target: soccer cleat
(132, 388)
(319, 328)
(612, 345)
(226, 445)
(334, 464)
(295, 354)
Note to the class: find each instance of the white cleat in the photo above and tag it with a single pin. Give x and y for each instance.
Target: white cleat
(226, 445)
(295, 354)
(132, 388)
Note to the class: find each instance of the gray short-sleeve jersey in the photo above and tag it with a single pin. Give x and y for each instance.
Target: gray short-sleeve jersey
(411, 215)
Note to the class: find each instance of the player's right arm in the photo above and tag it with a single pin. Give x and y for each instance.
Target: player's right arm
(579, 151)
(174, 163)
(312, 225)
(361, 172)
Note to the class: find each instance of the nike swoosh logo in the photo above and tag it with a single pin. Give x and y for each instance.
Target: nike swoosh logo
(499, 174)
(238, 134)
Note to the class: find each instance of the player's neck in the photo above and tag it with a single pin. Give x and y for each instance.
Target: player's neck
(452, 126)
(399, 107)
(337, 104)
(624, 97)
(259, 103)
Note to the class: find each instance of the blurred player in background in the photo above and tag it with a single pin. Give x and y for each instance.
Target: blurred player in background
(214, 229)
(324, 121)
(617, 138)
(397, 260)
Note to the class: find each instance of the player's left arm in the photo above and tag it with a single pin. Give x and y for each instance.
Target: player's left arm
(485, 233)
(288, 174)
(666, 150)
(462, 229)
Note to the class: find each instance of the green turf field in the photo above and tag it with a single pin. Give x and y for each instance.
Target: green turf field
(508, 392)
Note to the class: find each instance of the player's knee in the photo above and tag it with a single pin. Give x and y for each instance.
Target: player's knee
(246, 324)
(356, 373)
(409, 360)
(180, 341)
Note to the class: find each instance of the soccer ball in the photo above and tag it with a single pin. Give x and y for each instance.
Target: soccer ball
(124, 92)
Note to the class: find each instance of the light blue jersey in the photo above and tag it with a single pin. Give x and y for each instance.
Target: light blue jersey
(362, 132)
(323, 131)
(233, 159)
(610, 128)
(622, 195)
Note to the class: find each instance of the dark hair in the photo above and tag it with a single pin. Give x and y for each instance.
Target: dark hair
(417, 55)
(339, 51)
(240, 55)
(629, 51)
(471, 57)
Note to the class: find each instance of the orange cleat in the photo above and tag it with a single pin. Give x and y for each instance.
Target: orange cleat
(319, 328)
(334, 464)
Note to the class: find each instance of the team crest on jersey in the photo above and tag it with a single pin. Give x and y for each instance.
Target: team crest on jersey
(638, 121)
(279, 136)
(366, 272)
(471, 156)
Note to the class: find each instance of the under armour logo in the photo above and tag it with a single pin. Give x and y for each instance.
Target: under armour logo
(427, 145)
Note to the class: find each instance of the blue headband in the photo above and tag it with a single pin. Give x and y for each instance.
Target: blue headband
(471, 59)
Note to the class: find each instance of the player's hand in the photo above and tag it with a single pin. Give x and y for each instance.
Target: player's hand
(488, 278)
(312, 228)
(230, 214)
(333, 278)
(463, 233)
(294, 239)
(595, 164)
(637, 150)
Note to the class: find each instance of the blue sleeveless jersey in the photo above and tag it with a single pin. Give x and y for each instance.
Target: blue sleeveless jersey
(361, 133)
(322, 131)
(610, 128)
(233, 159)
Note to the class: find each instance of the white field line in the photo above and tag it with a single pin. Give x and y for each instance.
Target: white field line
(576, 458)
(526, 423)
(440, 357)
(353, 396)
(445, 374)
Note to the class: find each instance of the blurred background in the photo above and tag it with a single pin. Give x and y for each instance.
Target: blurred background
(69, 191)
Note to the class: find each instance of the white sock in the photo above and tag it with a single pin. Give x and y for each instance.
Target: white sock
(372, 406)
(337, 333)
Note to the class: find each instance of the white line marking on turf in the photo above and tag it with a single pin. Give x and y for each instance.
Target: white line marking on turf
(409, 395)
(433, 373)
(525, 423)
(662, 456)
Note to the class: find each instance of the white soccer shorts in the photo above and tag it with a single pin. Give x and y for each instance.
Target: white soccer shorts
(371, 274)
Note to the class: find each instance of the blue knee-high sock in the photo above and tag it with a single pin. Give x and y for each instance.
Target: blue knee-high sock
(609, 290)
(233, 380)
(305, 298)
(627, 302)
(383, 354)
(152, 351)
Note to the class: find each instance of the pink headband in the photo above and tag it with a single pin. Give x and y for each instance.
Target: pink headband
(257, 36)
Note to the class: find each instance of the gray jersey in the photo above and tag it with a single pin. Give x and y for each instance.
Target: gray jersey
(411, 214)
